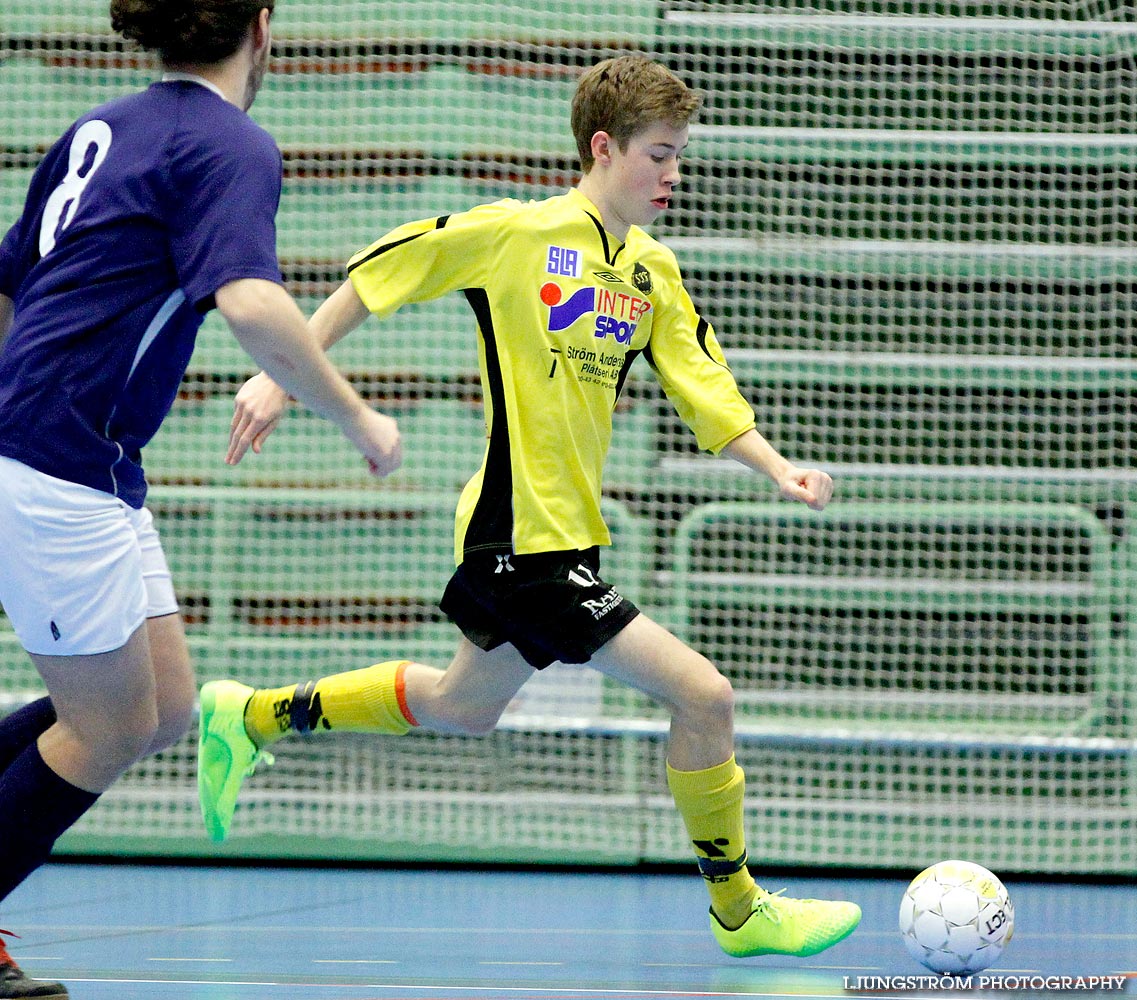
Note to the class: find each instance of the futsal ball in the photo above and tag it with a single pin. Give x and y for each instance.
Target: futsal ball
(956, 917)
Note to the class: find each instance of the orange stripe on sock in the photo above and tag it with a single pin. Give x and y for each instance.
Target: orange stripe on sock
(401, 693)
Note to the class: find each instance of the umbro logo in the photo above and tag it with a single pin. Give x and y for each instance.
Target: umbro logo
(608, 276)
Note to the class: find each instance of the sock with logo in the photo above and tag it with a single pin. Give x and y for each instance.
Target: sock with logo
(23, 727)
(371, 700)
(36, 807)
(710, 802)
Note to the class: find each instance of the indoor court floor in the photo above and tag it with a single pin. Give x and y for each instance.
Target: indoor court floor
(127, 932)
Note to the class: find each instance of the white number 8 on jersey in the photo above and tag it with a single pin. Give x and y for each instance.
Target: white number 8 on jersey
(64, 201)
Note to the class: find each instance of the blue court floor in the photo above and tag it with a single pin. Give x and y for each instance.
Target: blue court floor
(122, 932)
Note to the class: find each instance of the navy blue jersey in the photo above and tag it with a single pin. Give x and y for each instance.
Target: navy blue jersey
(136, 217)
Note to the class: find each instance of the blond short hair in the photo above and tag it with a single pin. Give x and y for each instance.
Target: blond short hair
(625, 95)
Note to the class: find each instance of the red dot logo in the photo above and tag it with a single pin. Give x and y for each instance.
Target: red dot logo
(550, 294)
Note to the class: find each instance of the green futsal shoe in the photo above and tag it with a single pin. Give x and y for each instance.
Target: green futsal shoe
(225, 754)
(781, 925)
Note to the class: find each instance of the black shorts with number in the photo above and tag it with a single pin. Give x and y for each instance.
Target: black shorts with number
(549, 606)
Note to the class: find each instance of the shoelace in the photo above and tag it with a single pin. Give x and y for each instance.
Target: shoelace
(767, 905)
(261, 757)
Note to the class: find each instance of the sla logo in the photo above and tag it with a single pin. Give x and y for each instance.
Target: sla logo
(618, 312)
(563, 261)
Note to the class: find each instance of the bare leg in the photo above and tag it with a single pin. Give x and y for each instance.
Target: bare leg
(106, 709)
(174, 684)
(470, 695)
(106, 720)
(644, 655)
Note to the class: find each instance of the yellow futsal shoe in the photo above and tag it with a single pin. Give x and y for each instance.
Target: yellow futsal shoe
(781, 925)
(225, 754)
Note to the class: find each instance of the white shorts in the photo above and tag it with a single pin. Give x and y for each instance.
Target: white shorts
(80, 570)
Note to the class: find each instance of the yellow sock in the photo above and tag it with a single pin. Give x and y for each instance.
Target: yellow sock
(710, 803)
(371, 700)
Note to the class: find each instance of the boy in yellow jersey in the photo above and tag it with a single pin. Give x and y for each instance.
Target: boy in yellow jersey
(553, 285)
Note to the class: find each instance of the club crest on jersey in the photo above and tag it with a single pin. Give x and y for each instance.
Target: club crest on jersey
(563, 262)
(618, 312)
(641, 278)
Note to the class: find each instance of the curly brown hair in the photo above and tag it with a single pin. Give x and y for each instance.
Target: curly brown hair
(195, 32)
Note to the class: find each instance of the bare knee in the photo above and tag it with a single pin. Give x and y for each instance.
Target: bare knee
(175, 717)
(175, 687)
(92, 752)
(132, 738)
(708, 700)
(469, 697)
(464, 720)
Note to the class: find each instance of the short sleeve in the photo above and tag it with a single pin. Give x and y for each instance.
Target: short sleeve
(224, 227)
(19, 250)
(425, 259)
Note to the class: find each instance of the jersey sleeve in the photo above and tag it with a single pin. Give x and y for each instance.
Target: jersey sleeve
(425, 259)
(225, 225)
(686, 358)
(19, 250)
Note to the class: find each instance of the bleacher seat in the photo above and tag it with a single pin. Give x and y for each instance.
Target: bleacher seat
(921, 298)
(330, 563)
(434, 341)
(307, 450)
(872, 71)
(443, 442)
(13, 191)
(43, 102)
(77, 17)
(385, 111)
(902, 185)
(1028, 9)
(444, 21)
(961, 410)
(903, 616)
(323, 219)
(635, 446)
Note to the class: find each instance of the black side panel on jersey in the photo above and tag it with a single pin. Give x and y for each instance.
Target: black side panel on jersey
(628, 359)
(491, 524)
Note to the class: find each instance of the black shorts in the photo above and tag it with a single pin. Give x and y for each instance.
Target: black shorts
(549, 606)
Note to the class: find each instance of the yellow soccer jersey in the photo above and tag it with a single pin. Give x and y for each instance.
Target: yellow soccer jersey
(562, 310)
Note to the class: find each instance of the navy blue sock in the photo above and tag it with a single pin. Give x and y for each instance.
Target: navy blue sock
(36, 807)
(23, 727)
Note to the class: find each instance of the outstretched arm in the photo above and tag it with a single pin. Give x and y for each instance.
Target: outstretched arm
(270, 327)
(812, 487)
(261, 402)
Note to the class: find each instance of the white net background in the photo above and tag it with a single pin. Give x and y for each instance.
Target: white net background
(911, 224)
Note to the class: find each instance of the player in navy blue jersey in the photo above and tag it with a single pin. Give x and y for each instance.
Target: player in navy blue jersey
(147, 213)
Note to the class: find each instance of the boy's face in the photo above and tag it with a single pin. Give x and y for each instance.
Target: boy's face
(639, 180)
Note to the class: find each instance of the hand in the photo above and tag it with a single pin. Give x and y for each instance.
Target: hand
(377, 437)
(258, 408)
(812, 487)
